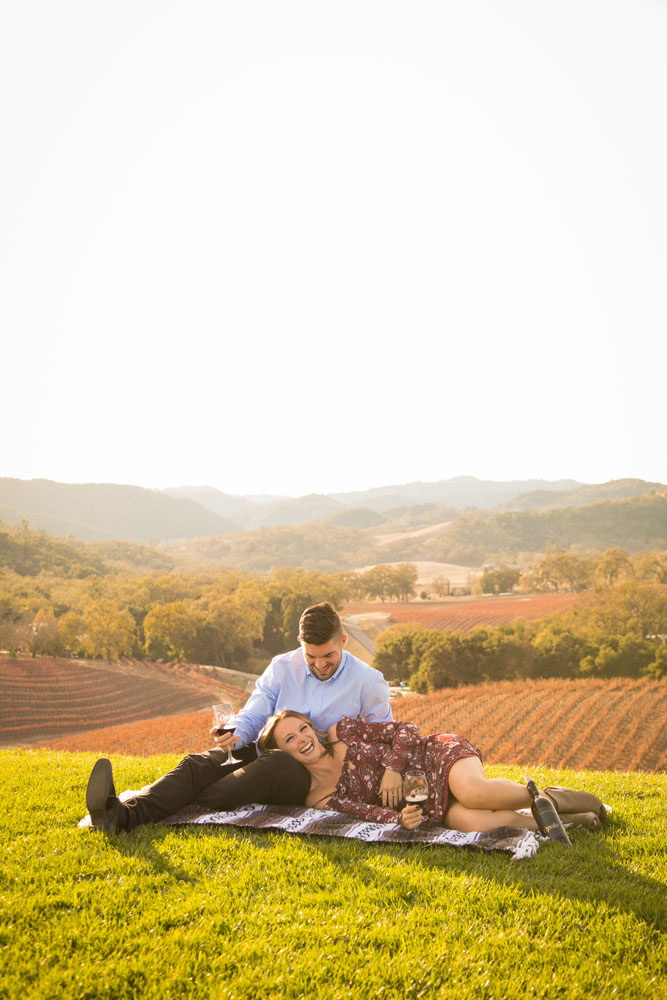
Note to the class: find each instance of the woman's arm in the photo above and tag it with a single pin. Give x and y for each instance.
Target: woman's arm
(373, 814)
(410, 817)
(401, 736)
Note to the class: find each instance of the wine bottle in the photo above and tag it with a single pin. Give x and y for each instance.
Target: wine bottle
(546, 817)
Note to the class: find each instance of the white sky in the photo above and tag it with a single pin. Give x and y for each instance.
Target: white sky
(294, 247)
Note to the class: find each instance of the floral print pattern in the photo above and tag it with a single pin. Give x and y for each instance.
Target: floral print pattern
(374, 746)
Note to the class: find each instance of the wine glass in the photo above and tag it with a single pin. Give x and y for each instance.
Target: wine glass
(225, 719)
(415, 788)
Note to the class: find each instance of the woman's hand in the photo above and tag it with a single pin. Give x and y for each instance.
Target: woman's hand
(411, 817)
(391, 789)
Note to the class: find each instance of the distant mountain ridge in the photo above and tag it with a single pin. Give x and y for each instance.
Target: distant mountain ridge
(580, 496)
(103, 511)
(461, 492)
(97, 511)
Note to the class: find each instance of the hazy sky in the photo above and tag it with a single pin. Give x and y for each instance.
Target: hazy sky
(294, 247)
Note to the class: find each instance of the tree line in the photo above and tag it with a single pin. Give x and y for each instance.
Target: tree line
(616, 630)
(91, 602)
(573, 572)
(109, 599)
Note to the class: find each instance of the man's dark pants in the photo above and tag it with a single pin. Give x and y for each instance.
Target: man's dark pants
(273, 778)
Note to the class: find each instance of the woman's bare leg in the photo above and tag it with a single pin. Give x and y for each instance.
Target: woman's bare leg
(459, 817)
(471, 788)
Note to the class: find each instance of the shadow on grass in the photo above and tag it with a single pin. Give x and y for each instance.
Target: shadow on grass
(141, 844)
(591, 871)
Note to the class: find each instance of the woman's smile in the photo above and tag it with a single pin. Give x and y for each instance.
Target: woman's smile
(298, 739)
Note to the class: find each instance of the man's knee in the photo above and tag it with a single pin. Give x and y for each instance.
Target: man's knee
(284, 775)
(277, 761)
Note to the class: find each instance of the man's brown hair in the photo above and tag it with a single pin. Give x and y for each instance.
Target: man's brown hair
(320, 624)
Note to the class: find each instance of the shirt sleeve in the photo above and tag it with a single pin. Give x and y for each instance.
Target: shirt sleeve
(259, 707)
(375, 705)
(374, 814)
(401, 737)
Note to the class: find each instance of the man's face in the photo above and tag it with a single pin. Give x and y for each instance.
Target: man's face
(324, 661)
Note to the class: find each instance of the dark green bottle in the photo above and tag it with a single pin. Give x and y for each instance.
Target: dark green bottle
(546, 817)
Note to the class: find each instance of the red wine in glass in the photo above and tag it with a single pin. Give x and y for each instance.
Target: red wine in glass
(415, 788)
(416, 799)
(224, 717)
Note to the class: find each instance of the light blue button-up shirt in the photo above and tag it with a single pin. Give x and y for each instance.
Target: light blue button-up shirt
(355, 690)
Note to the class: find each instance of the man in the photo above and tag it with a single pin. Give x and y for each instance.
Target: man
(320, 679)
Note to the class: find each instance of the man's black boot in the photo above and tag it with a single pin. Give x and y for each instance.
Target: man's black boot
(106, 810)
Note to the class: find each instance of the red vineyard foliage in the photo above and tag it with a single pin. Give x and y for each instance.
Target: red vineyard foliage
(593, 724)
(464, 615)
(585, 724)
(44, 698)
(179, 734)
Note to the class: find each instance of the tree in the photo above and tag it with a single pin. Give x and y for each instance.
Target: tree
(108, 630)
(612, 566)
(559, 650)
(405, 578)
(495, 654)
(443, 663)
(72, 631)
(620, 656)
(499, 581)
(236, 622)
(288, 592)
(650, 566)
(352, 583)
(171, 631)
(441, 586)
(560, 571)
(633, 608)
(378, 582)
(395, 651)
(45, 637)
(658, 668)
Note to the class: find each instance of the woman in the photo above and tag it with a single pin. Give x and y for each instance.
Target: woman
(348, 764)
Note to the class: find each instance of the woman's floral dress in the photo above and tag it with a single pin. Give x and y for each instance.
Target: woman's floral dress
(374, 746)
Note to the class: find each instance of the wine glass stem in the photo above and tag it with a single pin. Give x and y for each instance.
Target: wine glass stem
(230, 759)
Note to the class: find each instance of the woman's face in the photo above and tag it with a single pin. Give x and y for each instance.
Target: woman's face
(299, 739)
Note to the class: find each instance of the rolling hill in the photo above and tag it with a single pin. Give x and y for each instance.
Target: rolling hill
(44, 698)
(318, 532)
(618, 724)
(96, 511)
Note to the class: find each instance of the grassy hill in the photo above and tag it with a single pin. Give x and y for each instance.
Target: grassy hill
(165, 913)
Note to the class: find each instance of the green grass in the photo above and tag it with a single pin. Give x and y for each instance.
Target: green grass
(175, 912)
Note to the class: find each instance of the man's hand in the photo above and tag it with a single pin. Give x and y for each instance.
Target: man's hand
(391, 789)
(226, 742)
(411, 817)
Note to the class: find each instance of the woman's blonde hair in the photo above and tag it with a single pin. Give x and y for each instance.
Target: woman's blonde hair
(267, 737)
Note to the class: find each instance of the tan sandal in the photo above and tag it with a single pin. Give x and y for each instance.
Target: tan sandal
(568, 802)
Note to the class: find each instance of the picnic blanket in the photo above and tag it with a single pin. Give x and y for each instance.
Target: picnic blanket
(329, 823)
